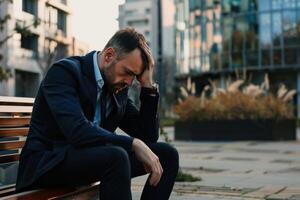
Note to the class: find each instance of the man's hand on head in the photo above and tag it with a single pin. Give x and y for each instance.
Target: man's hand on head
(146, 78)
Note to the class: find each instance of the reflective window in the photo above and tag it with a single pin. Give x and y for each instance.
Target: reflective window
(265, 57)
(225, 60)
(277, 58)
(289, 3)
(227, 32)
(277, 29)
(289, 27)
(235, 6)
(251, 58)
(264, 5)
(265, 30)
(298, 27)
(290, 56)
(226, 6)
(248, 5)
(276, 4)
(30, 6)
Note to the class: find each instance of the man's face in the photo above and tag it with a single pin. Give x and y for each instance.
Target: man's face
(119, 74)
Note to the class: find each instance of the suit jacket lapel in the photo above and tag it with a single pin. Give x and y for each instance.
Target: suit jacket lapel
(91, 85)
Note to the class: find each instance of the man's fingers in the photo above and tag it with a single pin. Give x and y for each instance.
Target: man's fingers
(156, 173)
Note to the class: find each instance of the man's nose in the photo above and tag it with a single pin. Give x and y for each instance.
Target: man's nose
(129, 81)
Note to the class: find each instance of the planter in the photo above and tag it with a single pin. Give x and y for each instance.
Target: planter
(228, 130)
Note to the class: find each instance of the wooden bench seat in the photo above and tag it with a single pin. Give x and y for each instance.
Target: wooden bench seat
(15, 115)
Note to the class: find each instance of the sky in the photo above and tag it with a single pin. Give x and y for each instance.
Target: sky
(95, 21)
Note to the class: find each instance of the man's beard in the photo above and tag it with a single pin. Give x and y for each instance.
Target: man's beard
(109, 78)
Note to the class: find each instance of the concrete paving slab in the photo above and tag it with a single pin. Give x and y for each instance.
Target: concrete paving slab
(264, 191)
(288, 193)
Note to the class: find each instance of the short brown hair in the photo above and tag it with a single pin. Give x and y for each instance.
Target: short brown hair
(126, 40)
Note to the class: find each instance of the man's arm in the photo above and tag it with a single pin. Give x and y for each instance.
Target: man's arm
(143, 123)
(59, 89)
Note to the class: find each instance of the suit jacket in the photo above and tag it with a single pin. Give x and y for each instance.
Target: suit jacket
(63, 113)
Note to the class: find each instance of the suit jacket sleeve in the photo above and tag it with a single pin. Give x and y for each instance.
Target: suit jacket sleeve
(60, 91)
(143, 123)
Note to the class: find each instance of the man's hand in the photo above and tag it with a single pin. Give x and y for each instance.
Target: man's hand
(146, 78)
(149, 159)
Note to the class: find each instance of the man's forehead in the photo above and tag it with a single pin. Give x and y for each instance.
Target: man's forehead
(134, 61)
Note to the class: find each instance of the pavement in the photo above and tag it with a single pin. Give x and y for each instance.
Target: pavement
(236, 170)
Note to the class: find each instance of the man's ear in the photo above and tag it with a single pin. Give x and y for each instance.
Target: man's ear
(109, 54)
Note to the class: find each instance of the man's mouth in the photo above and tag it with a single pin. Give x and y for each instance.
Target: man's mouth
(120, 88)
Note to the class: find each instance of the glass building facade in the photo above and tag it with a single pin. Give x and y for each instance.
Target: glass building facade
(215, 38)
(229, 34)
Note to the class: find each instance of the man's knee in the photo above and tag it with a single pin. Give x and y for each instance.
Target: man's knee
(119, 156)
(168, 155)
(120, 161)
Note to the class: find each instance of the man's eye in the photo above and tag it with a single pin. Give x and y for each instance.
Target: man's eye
(130, 73)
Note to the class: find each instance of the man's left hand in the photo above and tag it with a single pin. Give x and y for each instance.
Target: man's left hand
(146, 78)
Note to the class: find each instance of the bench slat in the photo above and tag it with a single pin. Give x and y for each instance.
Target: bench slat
(5, 100)
(14, 121)
(82, 192)
(7, 158)
(10, 145)
(9, 132)
(15, 109)
(39, 194)
(7, 191)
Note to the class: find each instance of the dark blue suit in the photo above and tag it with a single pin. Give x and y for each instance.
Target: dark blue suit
(62, 119)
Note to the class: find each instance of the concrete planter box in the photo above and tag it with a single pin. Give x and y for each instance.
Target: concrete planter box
(230, 130)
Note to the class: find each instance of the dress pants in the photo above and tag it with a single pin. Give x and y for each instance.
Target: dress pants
(114, 167)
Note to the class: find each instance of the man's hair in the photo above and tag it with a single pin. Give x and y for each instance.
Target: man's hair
(126, 40)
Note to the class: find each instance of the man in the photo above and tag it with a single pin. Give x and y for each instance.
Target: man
(79, 105)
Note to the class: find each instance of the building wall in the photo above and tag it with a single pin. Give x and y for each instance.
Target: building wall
(28, 56)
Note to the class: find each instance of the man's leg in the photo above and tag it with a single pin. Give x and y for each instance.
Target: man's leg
(169, 159)
(83, 166)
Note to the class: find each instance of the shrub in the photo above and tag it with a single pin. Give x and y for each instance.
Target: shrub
(237, 101)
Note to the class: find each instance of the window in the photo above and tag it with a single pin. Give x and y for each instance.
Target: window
(30, 6)
(29, 42)
(277, 29)
(264, 5)
(26, 83)
(63, 2)
(137, 23)
(265, 30)
(290, 27)
(62, 21)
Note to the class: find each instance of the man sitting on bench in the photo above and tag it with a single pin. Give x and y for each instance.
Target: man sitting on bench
(79, 105)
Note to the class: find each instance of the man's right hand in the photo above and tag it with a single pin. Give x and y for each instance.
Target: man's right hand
(150, 161)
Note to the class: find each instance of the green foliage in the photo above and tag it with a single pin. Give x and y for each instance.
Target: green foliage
(5, 74)
(167, 122)
(185, 177)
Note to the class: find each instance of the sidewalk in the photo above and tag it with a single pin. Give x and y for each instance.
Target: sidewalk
(236, 170)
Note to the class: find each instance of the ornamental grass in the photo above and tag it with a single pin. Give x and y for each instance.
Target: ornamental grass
(238, 101)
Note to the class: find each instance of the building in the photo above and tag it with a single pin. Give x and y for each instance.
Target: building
(154, 19)
(29, 54)
(141, 15)
(216, 39)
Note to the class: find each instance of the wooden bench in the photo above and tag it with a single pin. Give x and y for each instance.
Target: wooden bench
(15, 115)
